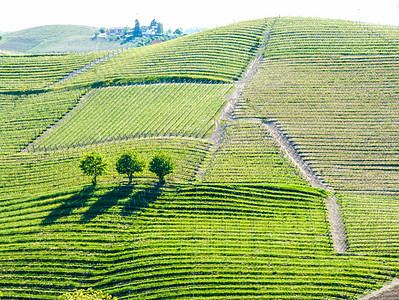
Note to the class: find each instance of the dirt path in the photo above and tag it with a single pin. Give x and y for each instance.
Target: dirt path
(389, 291)
(33, 144)
(226, 116)
(90, 65)
(226, 113)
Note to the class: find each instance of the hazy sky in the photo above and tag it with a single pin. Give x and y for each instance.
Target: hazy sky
(21, 14)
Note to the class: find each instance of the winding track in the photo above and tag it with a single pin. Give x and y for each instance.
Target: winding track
(226, 116)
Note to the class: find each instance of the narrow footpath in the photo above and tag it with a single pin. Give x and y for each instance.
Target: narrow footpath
(226, 116)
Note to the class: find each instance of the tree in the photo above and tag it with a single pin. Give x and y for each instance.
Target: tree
(178, 31)
(129, 163)
(93, 164)
(89, 294)
(153, 24)
(137, 29)
(159, 28)
(162, 165)
(126, 30)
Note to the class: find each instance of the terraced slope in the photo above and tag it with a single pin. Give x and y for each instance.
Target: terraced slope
(198, 241)
(24, 73)
(184, 109)
(220, 54)
(249, 154)
(253, 228)
(331, 85)
(25, 117)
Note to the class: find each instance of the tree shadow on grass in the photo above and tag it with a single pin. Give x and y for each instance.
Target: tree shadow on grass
(141, 199)
(107, 201)
(69, 205)
(138, 198)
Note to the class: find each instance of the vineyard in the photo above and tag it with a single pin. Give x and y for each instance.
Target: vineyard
(236, 219)
(141, 111)
(220, 54)
(36, 72)
(338, 105)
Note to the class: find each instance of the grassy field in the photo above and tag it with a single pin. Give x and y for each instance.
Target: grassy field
(236, 219)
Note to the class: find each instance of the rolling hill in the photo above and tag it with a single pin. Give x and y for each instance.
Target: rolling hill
(284, 136)
(55, 38)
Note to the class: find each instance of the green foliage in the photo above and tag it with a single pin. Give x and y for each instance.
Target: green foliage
(266, 237)
(137, 30)
(93, 164)
(178, 31)
(88, 294)
(162, 165)
(129, 163)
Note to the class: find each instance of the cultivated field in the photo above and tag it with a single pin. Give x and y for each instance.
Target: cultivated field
(236, 219)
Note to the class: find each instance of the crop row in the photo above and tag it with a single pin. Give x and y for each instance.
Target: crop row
(32, 72)
(217, 54)
(341, 114)
(299, 37)
(138, 111)
(372, 223)
(29, 174)
(201, 240)
(26, 117)
(248, 153)
(333, 91)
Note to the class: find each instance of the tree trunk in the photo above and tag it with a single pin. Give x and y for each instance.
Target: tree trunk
(130, 176)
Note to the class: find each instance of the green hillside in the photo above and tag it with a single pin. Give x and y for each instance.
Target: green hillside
(332, 86)
(55, 38)
(236, 219)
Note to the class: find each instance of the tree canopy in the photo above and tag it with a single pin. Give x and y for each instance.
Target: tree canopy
(129, 163)
(162, 165)
(93, 164)
(137, 29)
